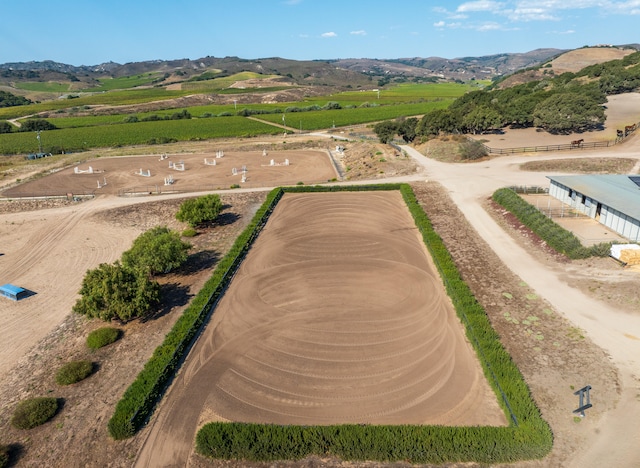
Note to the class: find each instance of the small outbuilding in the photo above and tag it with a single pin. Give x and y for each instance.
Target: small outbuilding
(613, 200)
(13, 292)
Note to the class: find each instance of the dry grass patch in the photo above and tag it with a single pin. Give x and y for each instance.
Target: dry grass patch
(445, 148)
(582, 165)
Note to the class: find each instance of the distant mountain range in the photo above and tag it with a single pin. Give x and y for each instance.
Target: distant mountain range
(308, 72)
(350, 73)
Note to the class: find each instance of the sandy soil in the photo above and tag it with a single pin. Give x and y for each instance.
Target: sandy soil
(588, 317)
(337, 304)
(123, 174)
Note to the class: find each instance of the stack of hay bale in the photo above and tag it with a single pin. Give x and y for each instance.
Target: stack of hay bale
(628, 254)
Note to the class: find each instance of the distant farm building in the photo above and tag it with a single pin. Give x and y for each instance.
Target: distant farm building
(12, 292)
(613, 200)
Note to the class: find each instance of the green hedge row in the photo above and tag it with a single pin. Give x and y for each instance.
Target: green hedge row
(527, 437)
(140, 399)
(558, 238)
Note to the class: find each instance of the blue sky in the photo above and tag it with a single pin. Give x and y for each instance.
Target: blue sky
(89, 32)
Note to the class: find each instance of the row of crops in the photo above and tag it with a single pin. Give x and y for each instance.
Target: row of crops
(81, 133)
(166, 131)
(76, 131)
(526, 437)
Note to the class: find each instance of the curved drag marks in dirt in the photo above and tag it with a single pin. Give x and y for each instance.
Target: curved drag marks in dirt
(336, 316)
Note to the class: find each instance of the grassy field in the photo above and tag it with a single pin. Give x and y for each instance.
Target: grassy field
(402, 93)
(316, 120)
(112, 98)
(127, 82)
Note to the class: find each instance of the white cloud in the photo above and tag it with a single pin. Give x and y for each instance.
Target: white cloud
(534, 10)
(488, 27)
(439, 24)
(329, 34)
(480, 5)
(361, 32)
(530, 14)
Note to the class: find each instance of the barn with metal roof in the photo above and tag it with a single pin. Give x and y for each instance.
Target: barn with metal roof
(613, 200)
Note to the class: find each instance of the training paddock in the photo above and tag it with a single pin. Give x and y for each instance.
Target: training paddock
(183, 172)
(337, 315)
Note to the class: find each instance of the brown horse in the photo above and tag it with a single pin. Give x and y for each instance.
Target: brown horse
(577, 143)
(629, 128)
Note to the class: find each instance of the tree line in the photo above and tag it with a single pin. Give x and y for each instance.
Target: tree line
(567, 103)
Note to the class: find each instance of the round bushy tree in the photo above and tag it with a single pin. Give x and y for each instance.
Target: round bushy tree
(159, 250)
(386, 130)
(197, 211)
(116, 292)
(5, 127)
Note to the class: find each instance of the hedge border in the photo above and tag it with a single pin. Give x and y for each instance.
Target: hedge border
(557, 237)
(527, 436)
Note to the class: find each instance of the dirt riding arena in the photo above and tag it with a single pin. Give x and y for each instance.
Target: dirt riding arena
(188, 172)
(337, 315)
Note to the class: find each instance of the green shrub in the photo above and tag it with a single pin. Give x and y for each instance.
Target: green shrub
(102, 337)
(189, 232)
(603, 249)
(73, 372)
(34, 412)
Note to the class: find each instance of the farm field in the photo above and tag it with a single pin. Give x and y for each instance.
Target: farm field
(337, 315)
(104, 119)
(124, 134)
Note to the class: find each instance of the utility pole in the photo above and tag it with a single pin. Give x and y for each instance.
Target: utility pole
(39, 141)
